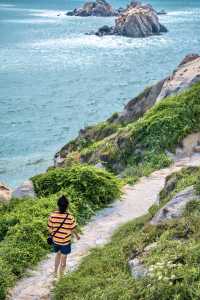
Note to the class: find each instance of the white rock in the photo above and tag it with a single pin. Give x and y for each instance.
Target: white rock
(5, 193)
(175, 207)
(24, 190)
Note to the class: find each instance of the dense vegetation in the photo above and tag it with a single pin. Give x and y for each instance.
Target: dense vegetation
(140, 147)
(23, 223)
(173, 266)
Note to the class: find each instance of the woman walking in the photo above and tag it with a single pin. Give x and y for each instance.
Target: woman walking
(62, 225)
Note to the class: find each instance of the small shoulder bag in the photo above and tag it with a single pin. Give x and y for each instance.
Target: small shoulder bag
(50, 237)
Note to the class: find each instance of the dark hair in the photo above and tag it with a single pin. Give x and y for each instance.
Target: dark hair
(63, 204)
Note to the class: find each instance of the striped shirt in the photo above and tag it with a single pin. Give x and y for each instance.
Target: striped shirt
(63, 235)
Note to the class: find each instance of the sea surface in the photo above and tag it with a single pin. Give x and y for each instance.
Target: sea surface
(54, 79)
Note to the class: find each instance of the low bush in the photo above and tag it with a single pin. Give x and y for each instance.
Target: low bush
(96, 185)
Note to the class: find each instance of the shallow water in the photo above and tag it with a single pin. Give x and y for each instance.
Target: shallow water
(54, 79)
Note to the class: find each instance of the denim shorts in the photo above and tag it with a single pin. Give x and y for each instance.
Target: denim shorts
(64, 249)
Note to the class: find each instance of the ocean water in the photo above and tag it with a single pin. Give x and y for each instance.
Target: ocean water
(54, 79)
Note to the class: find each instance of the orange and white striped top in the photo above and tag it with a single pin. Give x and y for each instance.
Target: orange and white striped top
(63, 235)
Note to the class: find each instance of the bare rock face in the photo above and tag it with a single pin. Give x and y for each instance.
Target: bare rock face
(138, 21)
(135, 21)
(174, 208)
(5, 193)
(137, 268)
(99, 8)
(26, 190)
(186, 74)
(136, 107)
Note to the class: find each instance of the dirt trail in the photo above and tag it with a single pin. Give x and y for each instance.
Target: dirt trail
(136, 201)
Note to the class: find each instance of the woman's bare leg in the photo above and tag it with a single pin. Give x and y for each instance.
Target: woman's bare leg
(63, 264)
(57, 261)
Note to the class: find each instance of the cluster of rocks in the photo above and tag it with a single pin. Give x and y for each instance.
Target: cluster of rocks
(25, 190)
(99, 8)
(136, 21)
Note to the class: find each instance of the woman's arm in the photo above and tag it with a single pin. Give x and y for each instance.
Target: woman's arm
(74, 232)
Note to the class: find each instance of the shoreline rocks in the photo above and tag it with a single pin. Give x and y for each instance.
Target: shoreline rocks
(25, 190)
(98, 8)
(136, 21)
(5, 193)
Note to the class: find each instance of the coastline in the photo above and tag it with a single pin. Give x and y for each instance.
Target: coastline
(118, 62)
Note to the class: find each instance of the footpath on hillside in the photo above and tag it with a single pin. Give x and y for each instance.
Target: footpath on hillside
(135, 202)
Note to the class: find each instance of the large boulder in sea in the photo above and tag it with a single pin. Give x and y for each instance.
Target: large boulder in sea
(98, 8)
(136, 21)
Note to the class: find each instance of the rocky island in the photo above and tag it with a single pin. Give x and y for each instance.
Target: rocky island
(137, 20)
(98, 8)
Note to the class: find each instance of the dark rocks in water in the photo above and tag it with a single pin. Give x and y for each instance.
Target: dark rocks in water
(163, 29)
(104, 30)
(136, 21)
(161, 12)
(99, 8)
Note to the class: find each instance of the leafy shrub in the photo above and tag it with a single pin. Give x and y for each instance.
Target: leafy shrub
(95, 185)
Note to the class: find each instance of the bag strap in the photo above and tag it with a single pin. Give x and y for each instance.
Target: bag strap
(52, 235)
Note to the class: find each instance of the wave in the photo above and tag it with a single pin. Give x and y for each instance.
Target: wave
(188, 12)
(28, 21)
(48, 13)
(6, 5)
(110, 42)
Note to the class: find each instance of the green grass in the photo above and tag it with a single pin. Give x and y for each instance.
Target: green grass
(23, 223)
(174, 272)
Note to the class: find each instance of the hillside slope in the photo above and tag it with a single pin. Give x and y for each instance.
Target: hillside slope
(140, 135)
(140, 147)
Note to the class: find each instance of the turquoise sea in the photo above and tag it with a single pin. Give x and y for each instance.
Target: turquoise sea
(54, 79)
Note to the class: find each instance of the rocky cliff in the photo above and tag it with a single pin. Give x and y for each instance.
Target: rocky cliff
(112, 137)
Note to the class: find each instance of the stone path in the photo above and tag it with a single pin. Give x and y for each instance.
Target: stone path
(135, 202)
